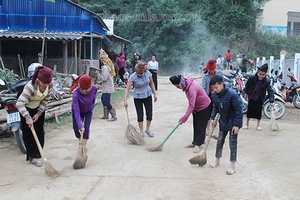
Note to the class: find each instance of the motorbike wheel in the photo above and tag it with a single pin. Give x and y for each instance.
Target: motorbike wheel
(279, 109)
(245, 108)
(19, 139)
(296, 101)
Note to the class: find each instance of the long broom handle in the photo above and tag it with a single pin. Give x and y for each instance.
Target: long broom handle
(38, 143)
(213, 126)
(170, 134)
(127, 115)
(81, 132)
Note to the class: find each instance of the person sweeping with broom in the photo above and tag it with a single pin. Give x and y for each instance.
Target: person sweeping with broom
(142, 95)
(83, 101)
(228, 104)
(31, 105)
(198, 105)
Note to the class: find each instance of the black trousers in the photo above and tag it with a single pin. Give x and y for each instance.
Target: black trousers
(199, 123)
(30, 144)
(147, 102)
(154, 77)
(121, 73)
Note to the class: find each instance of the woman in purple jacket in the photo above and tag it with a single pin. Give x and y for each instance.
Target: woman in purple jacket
(198, 105)
(83, 101)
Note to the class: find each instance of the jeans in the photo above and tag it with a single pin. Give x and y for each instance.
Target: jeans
(232, 145)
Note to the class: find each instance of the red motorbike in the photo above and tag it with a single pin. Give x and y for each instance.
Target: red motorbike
(290, 94)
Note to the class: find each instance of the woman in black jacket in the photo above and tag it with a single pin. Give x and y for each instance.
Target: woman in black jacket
(255, 92)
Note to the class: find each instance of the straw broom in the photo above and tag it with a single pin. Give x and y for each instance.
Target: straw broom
(81, 158)
(132, 134)
(273, 124)
(49, 169)
(160, 146)
(201, 159)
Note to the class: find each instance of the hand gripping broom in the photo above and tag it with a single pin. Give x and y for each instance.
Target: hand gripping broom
(49, 169)
(201, 159)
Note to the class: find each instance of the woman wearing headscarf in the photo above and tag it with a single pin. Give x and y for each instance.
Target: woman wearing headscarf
(255, 93)
(83, 101)
(209, 72)
(142, 95)
(31, 104)
(198, 105)
(106, 79)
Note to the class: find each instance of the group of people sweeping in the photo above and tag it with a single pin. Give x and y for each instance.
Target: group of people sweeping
(214, 97)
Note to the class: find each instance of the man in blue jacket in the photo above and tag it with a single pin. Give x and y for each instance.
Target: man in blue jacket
(228, 104)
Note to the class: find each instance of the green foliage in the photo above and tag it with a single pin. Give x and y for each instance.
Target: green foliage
(8, 76)
(184, 33)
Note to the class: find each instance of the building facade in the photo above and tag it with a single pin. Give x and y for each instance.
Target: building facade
(280, 16)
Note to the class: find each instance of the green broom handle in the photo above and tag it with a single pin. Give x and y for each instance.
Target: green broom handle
(170, 133)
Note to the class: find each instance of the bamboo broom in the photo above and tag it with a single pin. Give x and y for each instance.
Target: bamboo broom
(49, 169)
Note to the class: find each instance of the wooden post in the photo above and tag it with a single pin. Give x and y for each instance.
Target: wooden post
(79, 56)
(44, 38)
(65, 56)
(75, 56)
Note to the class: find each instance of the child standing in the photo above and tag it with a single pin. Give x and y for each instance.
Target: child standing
(126, 76)
(228, 103)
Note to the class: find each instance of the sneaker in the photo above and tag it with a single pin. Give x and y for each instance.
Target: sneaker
(149, 133)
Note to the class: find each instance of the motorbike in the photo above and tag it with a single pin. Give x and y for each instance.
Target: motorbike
(13, 119)
(289, 94)
(279, 107)
(8, 102)
(237, 82)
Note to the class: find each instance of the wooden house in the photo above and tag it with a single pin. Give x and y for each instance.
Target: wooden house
(59, 32)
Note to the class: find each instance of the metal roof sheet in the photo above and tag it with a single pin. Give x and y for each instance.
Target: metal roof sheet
(49, 35)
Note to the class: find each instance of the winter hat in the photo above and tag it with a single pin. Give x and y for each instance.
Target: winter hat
(85, 82)
(263, 68)
(175, 79)
(43, 74)
(211, 64)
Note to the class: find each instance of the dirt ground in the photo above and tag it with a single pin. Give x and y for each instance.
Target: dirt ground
(267, 166)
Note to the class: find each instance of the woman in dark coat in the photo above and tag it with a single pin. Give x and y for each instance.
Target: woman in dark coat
(255, 92)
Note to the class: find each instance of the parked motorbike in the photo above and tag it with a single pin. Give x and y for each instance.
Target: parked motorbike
(237, 82)
(13, 119)
(289, 94)
(8, 102)
(279, 107)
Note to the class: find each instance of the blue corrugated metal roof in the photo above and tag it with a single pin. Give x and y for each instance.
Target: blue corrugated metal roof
(62, 16)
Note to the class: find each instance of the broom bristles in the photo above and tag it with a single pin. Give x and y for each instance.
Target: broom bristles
(156, 148)
(80, 160)
(273, 124)
(50, 171)
(199, 159)
(134, 136)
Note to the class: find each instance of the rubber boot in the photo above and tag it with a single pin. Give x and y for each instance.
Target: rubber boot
(113, 115)
(105, 113)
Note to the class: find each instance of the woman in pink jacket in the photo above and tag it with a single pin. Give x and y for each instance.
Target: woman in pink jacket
(198, 105)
